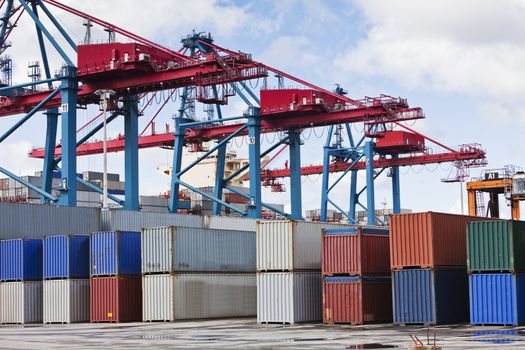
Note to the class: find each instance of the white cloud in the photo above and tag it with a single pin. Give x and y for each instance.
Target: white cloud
(472, 47)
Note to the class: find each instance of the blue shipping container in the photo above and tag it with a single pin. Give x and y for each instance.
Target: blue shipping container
(66, 256)
(115, 253)
(21, 260)
(426, 296)
(497, 299)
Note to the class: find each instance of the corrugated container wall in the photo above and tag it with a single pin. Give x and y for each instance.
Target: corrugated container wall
(21, 302)
(35, 220)
(66, 301)
(198, 295)
(289, 297)
(425, 296)
(115, 253)
(228, 223)
(497, 299)
(125, 220)
(21, 259)
(428, 240)
(356, 251)
(497, 245)
(115, 299)
(357, 300)
(66, 256)
(284, 245)
(186, 249)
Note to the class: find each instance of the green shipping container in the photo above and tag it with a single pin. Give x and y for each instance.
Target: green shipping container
(496, 245)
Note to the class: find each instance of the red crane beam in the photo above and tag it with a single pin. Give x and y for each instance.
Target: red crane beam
(380, 163)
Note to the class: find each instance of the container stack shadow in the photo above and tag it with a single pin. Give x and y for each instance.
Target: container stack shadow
(115, 282)
(496, 266)
(21, 281)
(429, 274)
(197, 273)
(289, 287)
(66, 279)
(356, 275)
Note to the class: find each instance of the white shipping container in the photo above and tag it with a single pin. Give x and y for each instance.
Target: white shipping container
(285, 245)
(289, 297)
(228, 223)
(66, 301)
(21, 302)
(197, 296)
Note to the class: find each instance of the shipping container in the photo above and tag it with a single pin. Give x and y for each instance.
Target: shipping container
(356, 251)
(285, 245)
(21, 259)
(357, 299)
(497, 299)
(198, 296)
(21, 220)
(186, 249)
(66, 301)
(228, 223)
(289, 297)
(66, 256)
(115, 299)
(496, 245)
(115, 253)
(429, 240)
(21, 302)
(425, 296)
(131, 220)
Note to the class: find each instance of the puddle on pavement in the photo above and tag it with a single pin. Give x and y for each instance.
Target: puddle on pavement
(371, 346)
(496, 339)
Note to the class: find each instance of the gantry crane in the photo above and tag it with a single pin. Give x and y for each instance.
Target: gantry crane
(207, 73)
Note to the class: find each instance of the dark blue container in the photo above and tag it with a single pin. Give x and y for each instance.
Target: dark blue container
(21, 260)
(497, 299)
(425, 296)
(66, 256)
(115, 253)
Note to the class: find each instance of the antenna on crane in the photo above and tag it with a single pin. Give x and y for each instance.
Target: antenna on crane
(87, 36)
(111, 34)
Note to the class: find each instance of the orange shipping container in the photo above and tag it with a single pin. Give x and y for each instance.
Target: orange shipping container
(357, 300)
(429, 240)
(355, 251)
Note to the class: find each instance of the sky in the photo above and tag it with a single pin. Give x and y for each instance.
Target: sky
(462, 62)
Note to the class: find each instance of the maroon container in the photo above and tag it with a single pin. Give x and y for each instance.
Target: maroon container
(357, 300)
(115, 299)
(429, 240)
(355, 251)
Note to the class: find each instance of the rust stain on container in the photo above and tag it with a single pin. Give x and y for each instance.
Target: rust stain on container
(115, 299)
(357, 300)
(429, 240)
(355, 252)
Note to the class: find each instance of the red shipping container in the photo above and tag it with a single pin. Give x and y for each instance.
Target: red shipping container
(357, 300)
(116, 299)
(355, 251)
(429, 240)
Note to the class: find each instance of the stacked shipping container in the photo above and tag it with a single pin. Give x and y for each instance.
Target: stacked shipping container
(496, 266)
(428, 259)
(21, 281)
(191, 273)
(356, 280)
(66, 279)
(289, 271)
(115, 284)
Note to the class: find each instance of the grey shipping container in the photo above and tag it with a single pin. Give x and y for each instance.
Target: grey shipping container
(21, 302)
(196, 296)
(289, 297)
(126, 220)
(227, 223)
(284, 245)
(31, 220)
(66, 301)
(186, 249)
